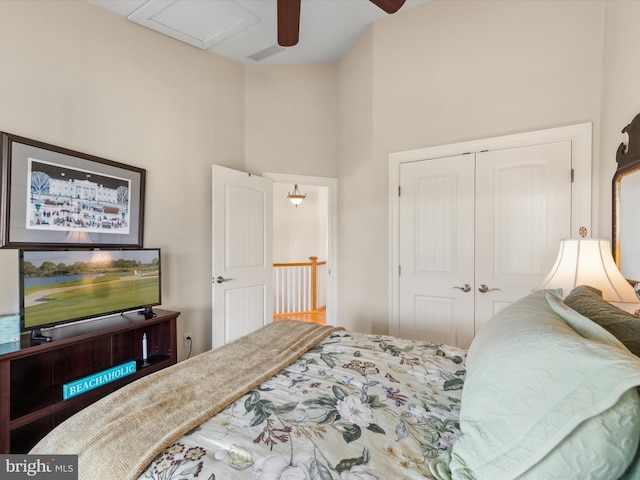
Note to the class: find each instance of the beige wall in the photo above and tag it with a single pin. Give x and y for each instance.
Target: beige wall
(455, 71)
(620, 93)
(356, 219)
(79, 77)
(291, 125)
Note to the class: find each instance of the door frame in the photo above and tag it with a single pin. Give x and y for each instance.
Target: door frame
(581, 208)
(332, 233)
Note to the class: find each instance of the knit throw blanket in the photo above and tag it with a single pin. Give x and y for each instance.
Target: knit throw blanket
(118, 436)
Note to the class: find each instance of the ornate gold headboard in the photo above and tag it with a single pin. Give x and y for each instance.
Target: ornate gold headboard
(626, 204)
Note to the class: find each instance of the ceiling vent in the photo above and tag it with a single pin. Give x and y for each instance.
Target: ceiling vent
(266, 52)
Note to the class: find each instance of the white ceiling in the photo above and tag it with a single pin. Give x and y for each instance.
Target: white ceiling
(238, 29)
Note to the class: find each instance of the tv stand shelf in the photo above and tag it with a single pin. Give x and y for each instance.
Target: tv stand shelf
(32, 376)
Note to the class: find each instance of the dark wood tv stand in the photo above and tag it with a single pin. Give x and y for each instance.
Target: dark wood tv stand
(32, 376)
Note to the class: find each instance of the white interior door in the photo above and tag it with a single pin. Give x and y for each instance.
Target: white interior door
(477, 232)
(523, 209)
(436, 255)
(242, 254)
(531, 190)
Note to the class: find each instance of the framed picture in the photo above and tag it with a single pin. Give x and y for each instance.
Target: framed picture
(58, 197)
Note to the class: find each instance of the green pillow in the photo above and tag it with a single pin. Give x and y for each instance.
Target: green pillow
(624, 326)
(548, 394)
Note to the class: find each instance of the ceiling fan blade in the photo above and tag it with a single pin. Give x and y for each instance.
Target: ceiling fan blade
(288, 22)
(389, 6)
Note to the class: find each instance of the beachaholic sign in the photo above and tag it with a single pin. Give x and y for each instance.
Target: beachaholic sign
(83, 385)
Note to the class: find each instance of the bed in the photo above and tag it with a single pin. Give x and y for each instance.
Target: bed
(543, 392)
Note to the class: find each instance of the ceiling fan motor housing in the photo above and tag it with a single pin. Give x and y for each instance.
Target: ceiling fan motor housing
(289, 18)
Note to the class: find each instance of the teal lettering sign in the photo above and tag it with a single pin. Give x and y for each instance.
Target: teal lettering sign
(82, 385)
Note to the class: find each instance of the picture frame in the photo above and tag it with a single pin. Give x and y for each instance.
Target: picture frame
(55, 197)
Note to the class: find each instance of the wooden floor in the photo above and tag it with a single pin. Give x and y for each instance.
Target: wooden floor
(319, 317)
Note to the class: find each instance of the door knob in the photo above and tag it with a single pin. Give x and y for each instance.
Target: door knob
(484, 288)
(465, 288)
(222, 279)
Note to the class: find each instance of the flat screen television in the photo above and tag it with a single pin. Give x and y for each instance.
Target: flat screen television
(61, 286)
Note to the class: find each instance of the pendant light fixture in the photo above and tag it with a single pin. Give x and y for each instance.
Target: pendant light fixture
(296, 197)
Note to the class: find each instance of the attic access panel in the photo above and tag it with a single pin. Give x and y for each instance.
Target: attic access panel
(198, 23)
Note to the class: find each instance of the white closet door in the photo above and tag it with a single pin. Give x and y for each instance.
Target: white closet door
(523, 209)
(436, 255)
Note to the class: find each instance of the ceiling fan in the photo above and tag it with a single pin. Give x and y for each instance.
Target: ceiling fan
(289, 18)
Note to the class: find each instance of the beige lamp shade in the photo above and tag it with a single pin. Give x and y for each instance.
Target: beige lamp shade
(76, 236)
(588, 261)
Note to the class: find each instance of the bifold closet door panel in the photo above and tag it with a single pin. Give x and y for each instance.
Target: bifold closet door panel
(436, 250)
(523, 209)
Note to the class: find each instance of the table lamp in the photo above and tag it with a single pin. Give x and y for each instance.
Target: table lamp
(588, 261)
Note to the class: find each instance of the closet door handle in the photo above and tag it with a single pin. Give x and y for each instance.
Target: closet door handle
(484, 288)
(222, 279)
(465, 288)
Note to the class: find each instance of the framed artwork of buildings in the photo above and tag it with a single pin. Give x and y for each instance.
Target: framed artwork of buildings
(52, 196)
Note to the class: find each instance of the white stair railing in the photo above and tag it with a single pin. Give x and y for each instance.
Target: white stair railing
(299, 287)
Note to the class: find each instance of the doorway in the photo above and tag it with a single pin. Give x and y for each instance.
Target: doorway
(304, 249)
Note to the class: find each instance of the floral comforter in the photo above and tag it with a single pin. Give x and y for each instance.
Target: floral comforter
(354, 407)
